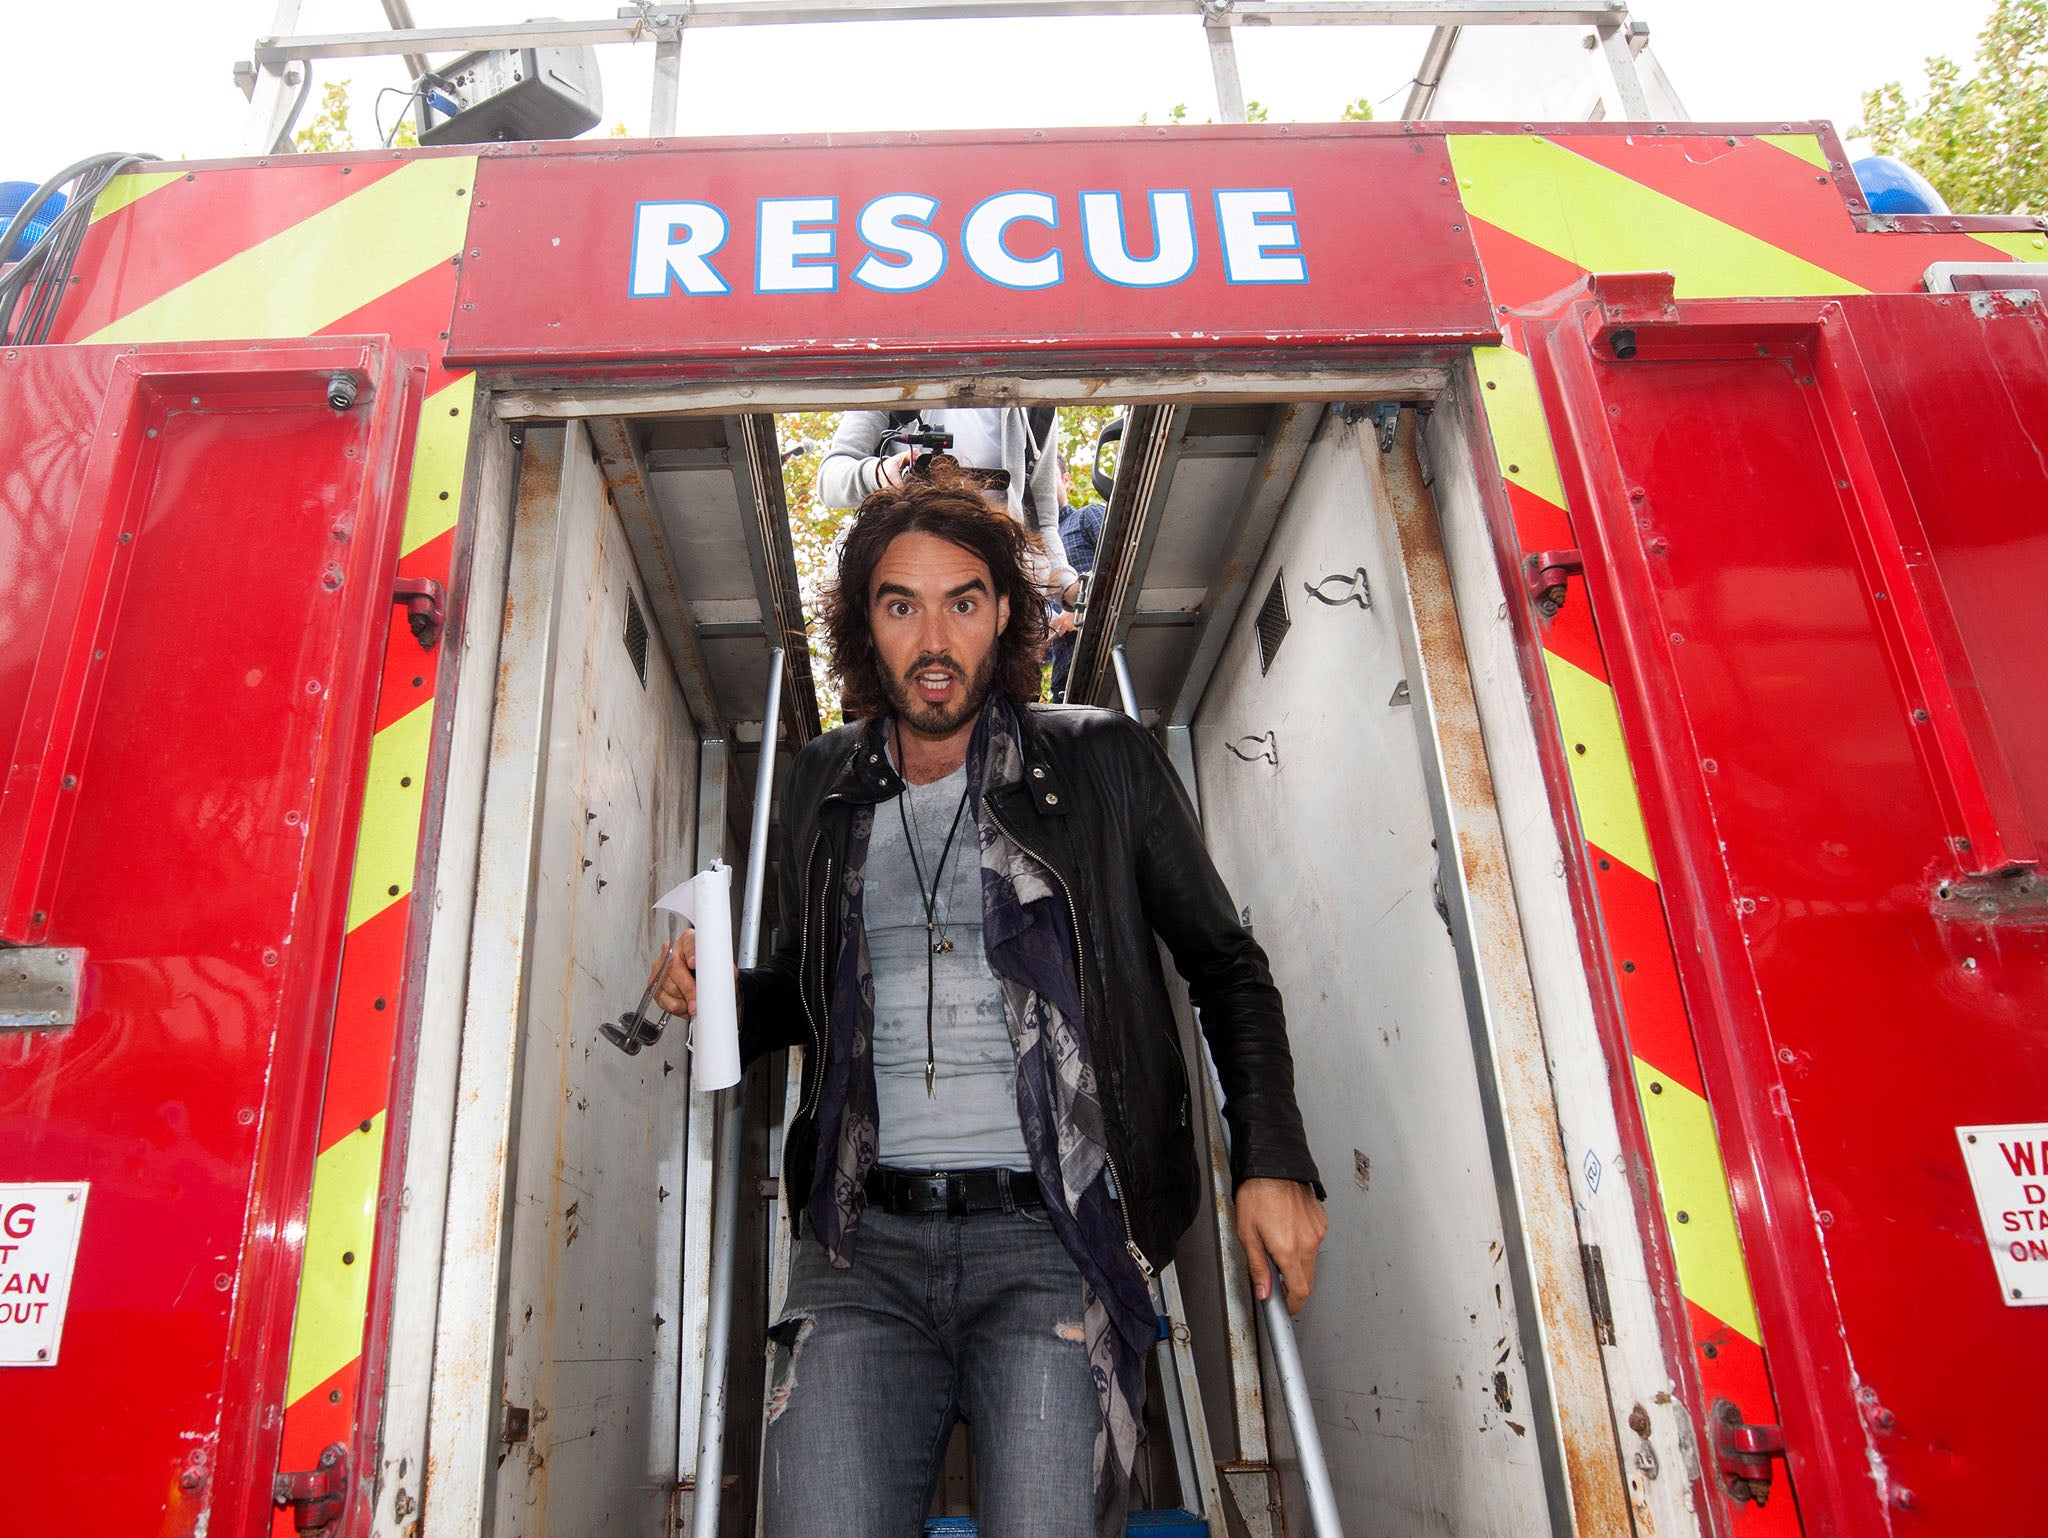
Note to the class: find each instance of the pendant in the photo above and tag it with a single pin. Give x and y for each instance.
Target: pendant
(944, 945)
(931, 1074)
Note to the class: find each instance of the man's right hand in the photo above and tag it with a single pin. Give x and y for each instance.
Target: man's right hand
(677, 970)
(890, 472)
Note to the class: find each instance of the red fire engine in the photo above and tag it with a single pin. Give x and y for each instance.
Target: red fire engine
(1589, 575)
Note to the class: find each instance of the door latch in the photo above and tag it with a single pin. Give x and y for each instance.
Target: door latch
(426, 607)
(1744, 1453)
(317, 1497)
(1546, 573)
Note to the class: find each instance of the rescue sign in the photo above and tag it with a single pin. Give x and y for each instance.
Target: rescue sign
(2008, 1168)
(39, 1229)
(1225, 240)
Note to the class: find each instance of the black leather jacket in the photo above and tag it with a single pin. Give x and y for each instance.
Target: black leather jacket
(1101, 808)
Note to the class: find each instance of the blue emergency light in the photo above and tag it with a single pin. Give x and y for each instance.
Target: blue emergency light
(12, 196)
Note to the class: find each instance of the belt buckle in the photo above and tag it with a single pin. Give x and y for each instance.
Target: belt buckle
(929, 1193)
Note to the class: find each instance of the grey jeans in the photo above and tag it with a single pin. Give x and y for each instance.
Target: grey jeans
(939, 1319)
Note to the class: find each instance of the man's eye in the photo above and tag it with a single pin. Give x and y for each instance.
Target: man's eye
(899, 609)
(964, 606)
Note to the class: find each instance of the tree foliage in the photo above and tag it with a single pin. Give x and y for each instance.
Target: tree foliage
(330, 129)
(1982, 141)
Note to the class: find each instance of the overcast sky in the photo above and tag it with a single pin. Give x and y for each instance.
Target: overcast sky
(153, 75)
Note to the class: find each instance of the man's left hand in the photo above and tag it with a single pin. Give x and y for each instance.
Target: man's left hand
(1281, 1224)
(1061, 623)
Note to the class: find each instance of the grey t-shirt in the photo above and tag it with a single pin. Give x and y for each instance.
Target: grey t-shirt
(971, 1121)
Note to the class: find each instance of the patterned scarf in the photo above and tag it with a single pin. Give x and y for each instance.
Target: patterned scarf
(1027, 934)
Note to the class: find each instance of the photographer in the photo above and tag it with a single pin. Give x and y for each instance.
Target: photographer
(869, 453)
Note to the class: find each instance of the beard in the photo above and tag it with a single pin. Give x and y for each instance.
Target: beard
(939, 720)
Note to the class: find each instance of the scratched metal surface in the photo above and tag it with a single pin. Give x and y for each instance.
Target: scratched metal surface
(589, 1319)
(1412, 1337)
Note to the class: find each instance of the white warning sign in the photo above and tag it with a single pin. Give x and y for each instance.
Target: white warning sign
(2009, 1172)
(39, 1228)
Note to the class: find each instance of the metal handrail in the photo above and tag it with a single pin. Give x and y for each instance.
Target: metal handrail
(725, 1206)
(1301, 1414)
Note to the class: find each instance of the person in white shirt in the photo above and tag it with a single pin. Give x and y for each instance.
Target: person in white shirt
(867, 455)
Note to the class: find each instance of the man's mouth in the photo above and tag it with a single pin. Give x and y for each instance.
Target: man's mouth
(933, 685)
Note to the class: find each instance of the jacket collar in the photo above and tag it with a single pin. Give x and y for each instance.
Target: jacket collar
(866, 774)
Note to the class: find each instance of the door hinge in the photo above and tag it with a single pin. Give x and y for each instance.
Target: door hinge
(317, 1497)
(1743, 1453)
(426, 607)
(1596, 1293)
(1546, 573)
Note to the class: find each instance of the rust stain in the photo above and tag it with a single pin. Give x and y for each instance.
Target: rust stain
(1585, 1419)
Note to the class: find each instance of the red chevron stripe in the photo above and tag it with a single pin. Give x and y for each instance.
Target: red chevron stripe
(1570, 633)
(1652, 1005)
(1732, 1368)
(320, 1417)
(1774, 195)
(166, 239)
(1519, 273)
(365, 1023)
(1541, 524)
(408, 677)
(415, 314)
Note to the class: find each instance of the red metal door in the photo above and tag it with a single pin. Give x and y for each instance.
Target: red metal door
(199, 550)
(1816, 544)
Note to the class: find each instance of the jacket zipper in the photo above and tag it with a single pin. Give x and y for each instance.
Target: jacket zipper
(1081, 998)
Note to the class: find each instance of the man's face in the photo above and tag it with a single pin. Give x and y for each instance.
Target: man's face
(935, 617)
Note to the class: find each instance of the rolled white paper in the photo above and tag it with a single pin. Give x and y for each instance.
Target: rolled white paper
(706, 901)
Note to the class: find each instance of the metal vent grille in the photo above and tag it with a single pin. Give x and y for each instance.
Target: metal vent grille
(1273, 621)
(636, 636)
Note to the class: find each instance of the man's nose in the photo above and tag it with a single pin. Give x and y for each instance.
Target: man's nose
(932, 633)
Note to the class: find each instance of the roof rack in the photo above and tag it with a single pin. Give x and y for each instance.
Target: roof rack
(276, 90)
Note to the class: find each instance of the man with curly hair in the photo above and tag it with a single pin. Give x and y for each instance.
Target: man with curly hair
(994, 1151)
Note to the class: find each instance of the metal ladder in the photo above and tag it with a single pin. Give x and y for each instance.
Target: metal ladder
(1194, 1456)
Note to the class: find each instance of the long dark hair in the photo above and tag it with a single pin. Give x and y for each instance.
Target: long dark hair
(951, 507)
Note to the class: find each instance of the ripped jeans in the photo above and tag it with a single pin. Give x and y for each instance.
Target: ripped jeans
(939, 1319)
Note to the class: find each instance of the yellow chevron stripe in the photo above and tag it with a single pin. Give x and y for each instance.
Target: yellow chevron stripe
(1805, 146)
(123, 190)
(322, 268)
(1694, 1182)
(1603, 222)
(2018, 244)
(439, 457)
(1601, 779)
(334, 1281)
(388, 842)
(1514, 416)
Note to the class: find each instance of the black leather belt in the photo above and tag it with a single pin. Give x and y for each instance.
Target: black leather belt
(958, 1193)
